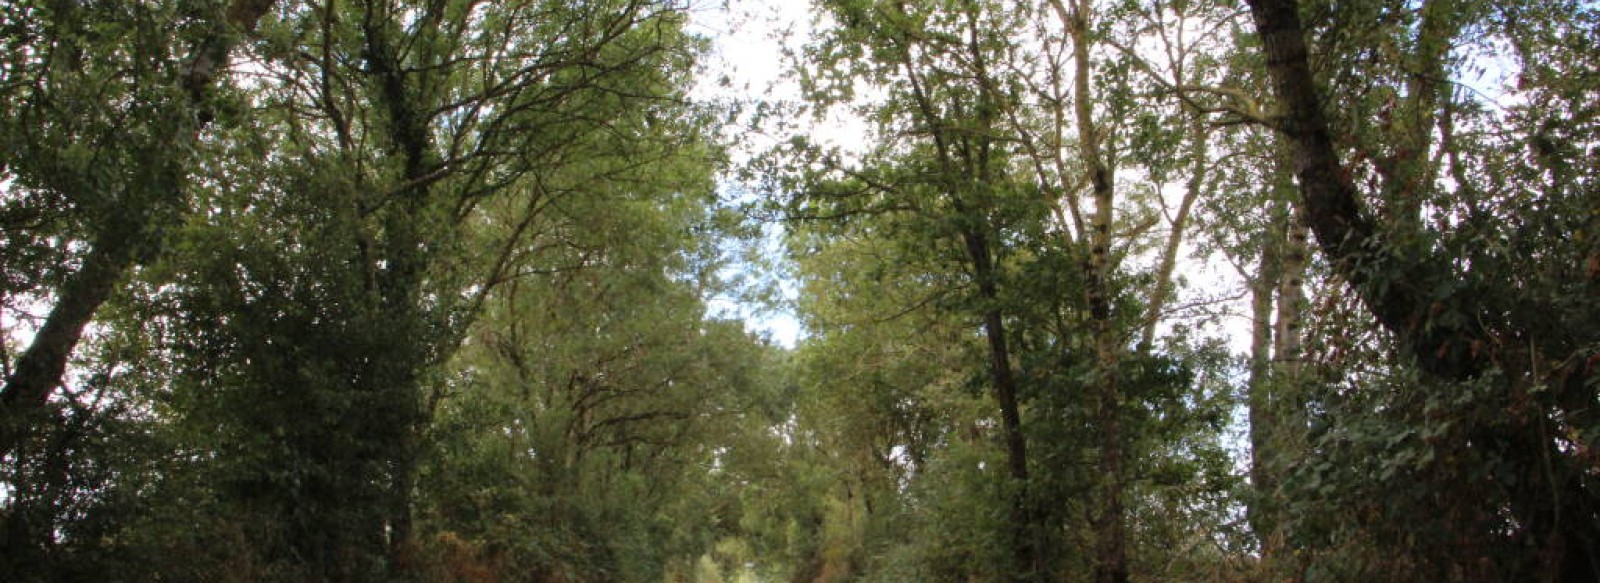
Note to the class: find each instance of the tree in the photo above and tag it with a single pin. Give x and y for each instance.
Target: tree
(954, 178)
(1442, 312)
(981, 103)
(309, 309)
(588, 431)
(81, 173)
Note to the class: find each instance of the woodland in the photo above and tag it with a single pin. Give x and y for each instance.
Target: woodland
(1109, 291)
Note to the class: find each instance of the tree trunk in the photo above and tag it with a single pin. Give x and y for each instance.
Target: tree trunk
(1263, 423)
(1276, 409)
(1005, 389)
(1111, 552)
(964, 160)
(406, 340)
(1550, 506)
(132, 232)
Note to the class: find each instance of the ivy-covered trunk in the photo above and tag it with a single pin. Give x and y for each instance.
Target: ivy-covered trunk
(1449, 333)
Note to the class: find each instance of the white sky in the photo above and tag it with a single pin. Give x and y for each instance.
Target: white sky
(747, 49)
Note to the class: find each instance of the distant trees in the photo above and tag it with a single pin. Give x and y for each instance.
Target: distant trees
(396, 290)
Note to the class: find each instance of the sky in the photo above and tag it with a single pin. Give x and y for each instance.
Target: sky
(747, 50)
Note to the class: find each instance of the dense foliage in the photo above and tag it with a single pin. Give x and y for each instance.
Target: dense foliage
(437, 290)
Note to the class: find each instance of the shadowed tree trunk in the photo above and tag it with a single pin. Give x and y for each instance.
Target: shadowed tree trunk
(1552, 509)
(150, 200)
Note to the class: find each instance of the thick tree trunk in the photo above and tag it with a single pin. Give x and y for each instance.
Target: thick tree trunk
(1549, 503)
(398, 290)
(132, 232)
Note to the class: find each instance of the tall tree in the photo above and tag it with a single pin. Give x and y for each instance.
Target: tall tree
(961, 168)
(105, 115)
(1445, 314)
(379, 150)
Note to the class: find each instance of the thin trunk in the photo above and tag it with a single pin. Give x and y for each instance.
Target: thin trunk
(1286, 350)
(1161, 290)
(967, 164)
(1263, 423)
(1005, 389)
(1110, 554)
(1276, 417)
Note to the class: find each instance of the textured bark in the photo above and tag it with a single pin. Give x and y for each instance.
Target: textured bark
(1286, 346)
(132, 232)
(1276, 409)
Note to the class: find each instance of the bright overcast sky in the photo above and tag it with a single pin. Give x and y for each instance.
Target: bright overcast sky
(748, 40)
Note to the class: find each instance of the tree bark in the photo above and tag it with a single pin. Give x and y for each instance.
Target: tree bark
(1276, 410)
(1005, 390)
(1263, 423)
(39, 369)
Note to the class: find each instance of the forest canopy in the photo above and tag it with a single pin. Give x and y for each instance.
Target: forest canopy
(1095, 290)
